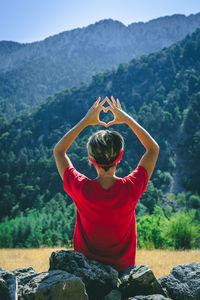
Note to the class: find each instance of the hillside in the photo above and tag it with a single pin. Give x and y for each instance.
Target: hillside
(29, 73)
(162, 91)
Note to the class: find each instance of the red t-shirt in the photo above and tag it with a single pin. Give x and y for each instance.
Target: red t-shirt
(105, 227)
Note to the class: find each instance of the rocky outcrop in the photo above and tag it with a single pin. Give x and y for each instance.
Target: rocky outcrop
(133, 40)
(8, 285)
(74, 277)
(183, 282)
(141, 281)
(58, 285)
(151, 297)
(34, 71)
(99, 279)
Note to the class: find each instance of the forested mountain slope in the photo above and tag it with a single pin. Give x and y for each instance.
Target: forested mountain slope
(161, 90)
(29, 73)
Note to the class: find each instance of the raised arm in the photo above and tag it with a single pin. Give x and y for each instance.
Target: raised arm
(91, 118)
(149, 159)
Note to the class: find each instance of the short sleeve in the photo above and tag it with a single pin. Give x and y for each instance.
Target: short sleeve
(138, 180)
(73, 181)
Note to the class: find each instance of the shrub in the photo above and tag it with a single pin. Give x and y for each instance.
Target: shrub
(150, 230)
(194, 201)
(181, 231)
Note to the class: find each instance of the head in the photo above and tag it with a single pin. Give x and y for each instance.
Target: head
(104, 146)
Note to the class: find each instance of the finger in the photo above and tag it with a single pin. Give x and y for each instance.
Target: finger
(105, 109)
(102, 123)
(97, 102)
(100, 108)
(106, 98)
(112, 110)
(110, 123)
(113, 100)
(118, 103)
(103, 101)
(110, 103)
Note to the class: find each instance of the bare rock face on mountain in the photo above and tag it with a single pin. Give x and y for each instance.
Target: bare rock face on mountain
(121, 41)
(77, 278)
(29, 73)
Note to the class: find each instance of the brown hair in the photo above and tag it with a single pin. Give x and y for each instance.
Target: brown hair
(104, 147)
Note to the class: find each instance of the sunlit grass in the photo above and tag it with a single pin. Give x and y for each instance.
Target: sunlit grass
(160, 261)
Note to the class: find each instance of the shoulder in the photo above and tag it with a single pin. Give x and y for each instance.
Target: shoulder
(73, 173)
(73, 180)
(138, 179)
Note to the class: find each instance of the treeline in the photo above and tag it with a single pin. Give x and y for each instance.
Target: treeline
(53, 226)
(49, 226)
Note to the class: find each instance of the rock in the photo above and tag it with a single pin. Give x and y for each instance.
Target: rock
(8, 285)
(99, 279)
(113, 295)
(140, 281)
(23, 276)
(55, 285)
(151, 297)
(183, 282)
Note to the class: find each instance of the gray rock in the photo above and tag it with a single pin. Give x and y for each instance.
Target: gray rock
(8, 285)
(183, 282)
(113, 295)
(23, 276)
(140, 281)
(150, 297)
(99, 279)
(54, 285)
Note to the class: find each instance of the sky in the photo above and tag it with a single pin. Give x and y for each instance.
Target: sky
(27, 21)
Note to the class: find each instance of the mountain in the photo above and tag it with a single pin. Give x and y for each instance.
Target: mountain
(160, 90)
(29, 73)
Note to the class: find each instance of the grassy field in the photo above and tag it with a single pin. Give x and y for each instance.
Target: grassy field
(160, 261)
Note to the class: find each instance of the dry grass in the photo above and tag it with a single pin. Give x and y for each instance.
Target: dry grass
(160, 261)
(11, 259)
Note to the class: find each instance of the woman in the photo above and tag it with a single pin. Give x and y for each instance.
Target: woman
(105, 227)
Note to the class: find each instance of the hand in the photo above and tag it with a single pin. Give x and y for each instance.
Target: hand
(120, 116)
(92, 116)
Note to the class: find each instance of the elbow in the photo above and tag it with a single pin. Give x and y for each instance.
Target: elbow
(55, 150)
(155, 148)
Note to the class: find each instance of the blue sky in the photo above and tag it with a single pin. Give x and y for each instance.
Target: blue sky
(33, 20)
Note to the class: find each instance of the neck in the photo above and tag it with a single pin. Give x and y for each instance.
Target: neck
(103, 175)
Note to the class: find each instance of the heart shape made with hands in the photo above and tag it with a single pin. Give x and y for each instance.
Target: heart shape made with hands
(106, 110)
